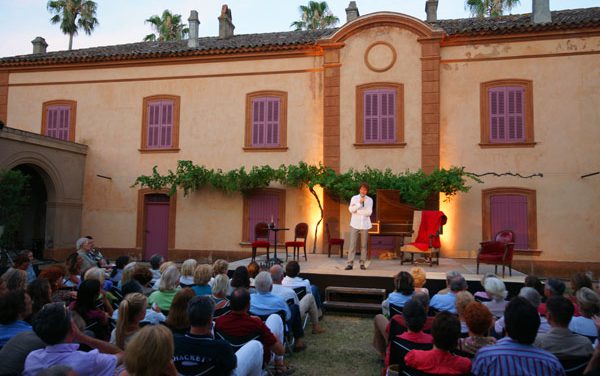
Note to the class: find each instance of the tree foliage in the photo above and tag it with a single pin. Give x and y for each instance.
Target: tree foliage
(316, 15)
(167, 27)
(490, 8)
(414, 187)
(14, 195)
(73, 15)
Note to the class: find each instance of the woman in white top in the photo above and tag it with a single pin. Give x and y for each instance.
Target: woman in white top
(187, 273)
(589, 305)
(496, 290)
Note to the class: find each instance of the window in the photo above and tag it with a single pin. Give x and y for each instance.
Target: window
(266, 121)
(511, 209)
(506, 113)
(160, 123)
(380, 115)
(58, 119)
(261, 205)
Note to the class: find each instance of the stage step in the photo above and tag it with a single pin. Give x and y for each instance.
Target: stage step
(354, 299)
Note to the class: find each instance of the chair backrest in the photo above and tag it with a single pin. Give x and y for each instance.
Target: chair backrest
(505, 236)
(575, 365)
(332, 226)
(396, 328)
(261, 231)
(221, 311)
(395, 310)
(399, 347)
(300, 292)
(301, 231)
(236, 342)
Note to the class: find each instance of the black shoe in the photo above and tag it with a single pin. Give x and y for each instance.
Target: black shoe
(348, 267)
(362, 267)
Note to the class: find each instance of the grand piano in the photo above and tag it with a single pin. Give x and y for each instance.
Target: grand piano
(393, 218)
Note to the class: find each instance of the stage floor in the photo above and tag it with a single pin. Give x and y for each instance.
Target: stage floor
(318, 264)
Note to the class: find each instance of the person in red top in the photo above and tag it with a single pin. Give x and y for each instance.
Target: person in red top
(415, 316)
(239, 323)
(440, 361)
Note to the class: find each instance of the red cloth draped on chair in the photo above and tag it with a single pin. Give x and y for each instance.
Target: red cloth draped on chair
(428, 236)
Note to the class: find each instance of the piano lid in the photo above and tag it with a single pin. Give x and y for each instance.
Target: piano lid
(389, 208)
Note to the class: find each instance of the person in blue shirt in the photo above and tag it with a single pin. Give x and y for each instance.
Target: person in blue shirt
(447, 302)
(15, 307)
(404, 291)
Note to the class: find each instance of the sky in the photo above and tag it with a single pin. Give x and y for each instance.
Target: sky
(122, 21)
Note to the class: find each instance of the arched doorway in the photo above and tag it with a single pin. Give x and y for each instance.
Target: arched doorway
(32, 231)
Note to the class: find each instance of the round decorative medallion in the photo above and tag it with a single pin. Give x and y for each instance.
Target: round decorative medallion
(380, 56)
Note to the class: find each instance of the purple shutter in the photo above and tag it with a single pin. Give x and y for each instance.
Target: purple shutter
(58, 121)
(160, 124)
(379, 116)
(266, 115)
(509, 212)
(261, 207)
(507, 114)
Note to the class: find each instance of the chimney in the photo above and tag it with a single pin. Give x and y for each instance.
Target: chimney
(39, 45)
(352, 12)
(225, 25)
(194, 24)
(540, 11)
(431, 10)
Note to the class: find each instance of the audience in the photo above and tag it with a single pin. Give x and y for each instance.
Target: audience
(143, 276)
(150, 353)
(463, 298)
(535, 283)
(253, 270)
(15, 279)
(40, 292)
(198, 351)
(514, 354)
(155, 263)
(534, 298)
(440, 360)
(483, 296)
(187, 273)
(132, 310)
(177, 320)
(559, 340)
(15, 308)
(117, 271)
(55, 275)
(202, 275)
(403, 291)
(54, 326)
(292, 279)
(553, 287)
(85, 250)
(479, 320)
(73, 264)
(419, 279)
(447, 302)
(87, 308)
(239, 324)
(240, 278)
(220, 287)
(169, 283)
(496, 290)
(589, 306)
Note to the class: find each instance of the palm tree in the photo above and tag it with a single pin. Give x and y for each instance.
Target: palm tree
(316, 15)
(73, 15)
(168, 27)
(490, 8)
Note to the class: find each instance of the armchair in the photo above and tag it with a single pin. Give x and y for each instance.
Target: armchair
(498, 251)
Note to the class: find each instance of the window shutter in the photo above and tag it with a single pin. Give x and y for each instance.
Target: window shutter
(509, 212)
(371, 116)
(160, 124)
(58, 120)
(167, 124)
(497, 114)
(507, 114)
(379, 116)
(261, 208)
(153, 124)
(516, 114)
(266, 115)
(388, 116)
(258, 120)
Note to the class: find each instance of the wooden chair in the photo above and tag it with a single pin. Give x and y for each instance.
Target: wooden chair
(261, 239)
(333, 242)
(498, 251)
(427, 242)
(300, 232)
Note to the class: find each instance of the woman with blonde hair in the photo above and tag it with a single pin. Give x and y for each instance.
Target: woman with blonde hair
(187, 273)
(178, 320)
(169, 284)
(150, 353)
(463, 298)
(219, 294)
(127, 274)
(419, 279)
(202, 276)
(15, 279)
(132, 310)
(164, 266)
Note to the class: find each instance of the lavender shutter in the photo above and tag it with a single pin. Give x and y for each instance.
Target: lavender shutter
(515, 115)
(153, 126)
(58, 121)
(160, 124)
(258, 121)
(388, 116)
(266, 115)
(497, 114)
(167, 124)
(261, 207)
(371, 113)
(379, 116)
(509, 212)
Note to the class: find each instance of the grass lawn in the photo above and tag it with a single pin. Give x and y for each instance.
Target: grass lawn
(344, 349)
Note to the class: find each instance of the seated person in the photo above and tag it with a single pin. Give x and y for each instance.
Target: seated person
(483, 296)
(534, 298)
(292, 279)
(220, 266)
(403, 291)
(86, 306)
(220, 287)
(177, 320)
(168, 286)
(240, 278)
(307, 304)
(15, 307)
(202, 276)
(253, 270)
(155, 262)
(463, 298)
(415, 316)
(449, 276)
(419, 278)
(54, 326)
(153, 314)
(447, 302)
(496, 290)
(198, 350)
(238, 323)
(264, 302)
(479, 320)
(150, 352)
(117, 271)
(187, 273)
(552, 287)
(15, 351)
(514, 354)
(589, 305)
(132, 311)
(559, 340)
(440, 360)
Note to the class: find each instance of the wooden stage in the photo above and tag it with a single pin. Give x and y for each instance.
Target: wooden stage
(324, 271)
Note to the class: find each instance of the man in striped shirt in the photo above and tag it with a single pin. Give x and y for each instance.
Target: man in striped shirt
(514, 354)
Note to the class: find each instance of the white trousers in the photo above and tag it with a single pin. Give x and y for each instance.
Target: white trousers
(249, 359)
(275, 325)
